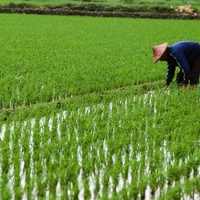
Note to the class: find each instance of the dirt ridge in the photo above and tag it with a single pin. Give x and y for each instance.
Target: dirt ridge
(55, 10)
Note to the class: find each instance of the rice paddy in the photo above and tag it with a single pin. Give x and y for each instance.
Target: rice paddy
(85, 115)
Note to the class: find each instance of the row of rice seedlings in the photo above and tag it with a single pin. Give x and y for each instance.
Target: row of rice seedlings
(120, 149)
(45, 58)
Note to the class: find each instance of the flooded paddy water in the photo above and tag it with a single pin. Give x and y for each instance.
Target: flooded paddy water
(132, 148)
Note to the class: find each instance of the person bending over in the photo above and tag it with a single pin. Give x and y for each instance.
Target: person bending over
(185, 55)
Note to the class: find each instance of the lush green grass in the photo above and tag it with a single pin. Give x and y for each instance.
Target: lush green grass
(47, 58)
(115, 149)
(35, 2)
(84, 111)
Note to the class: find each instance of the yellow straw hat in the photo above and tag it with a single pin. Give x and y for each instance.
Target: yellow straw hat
(158, 51)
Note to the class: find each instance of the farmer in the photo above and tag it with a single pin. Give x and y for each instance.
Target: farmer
(186, 56)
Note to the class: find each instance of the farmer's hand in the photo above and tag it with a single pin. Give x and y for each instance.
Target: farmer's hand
(193, 87)
(184, 86)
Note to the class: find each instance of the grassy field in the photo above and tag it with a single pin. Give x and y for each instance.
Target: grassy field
(50, 58)
(84, 111)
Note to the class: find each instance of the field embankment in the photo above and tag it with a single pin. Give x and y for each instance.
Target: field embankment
(96, 10)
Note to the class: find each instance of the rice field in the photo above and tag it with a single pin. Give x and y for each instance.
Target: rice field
(85, 115)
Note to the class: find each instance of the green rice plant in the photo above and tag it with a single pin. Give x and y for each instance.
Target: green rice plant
(104, 143)
(57, 57)
(81, 116)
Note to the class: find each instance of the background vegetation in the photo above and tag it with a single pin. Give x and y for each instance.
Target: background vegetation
(128, 3)
(50, 58)
(84, 111)
(137, 2)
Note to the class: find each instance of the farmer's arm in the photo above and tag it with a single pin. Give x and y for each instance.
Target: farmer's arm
(183, 64)
(170, 73)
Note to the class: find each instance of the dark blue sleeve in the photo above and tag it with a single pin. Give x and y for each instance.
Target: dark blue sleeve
(170, 72)
(183, 64)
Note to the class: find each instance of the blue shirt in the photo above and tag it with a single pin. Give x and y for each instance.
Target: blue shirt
(182, 54)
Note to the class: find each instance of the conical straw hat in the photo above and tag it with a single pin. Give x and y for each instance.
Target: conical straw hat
(158, 51)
